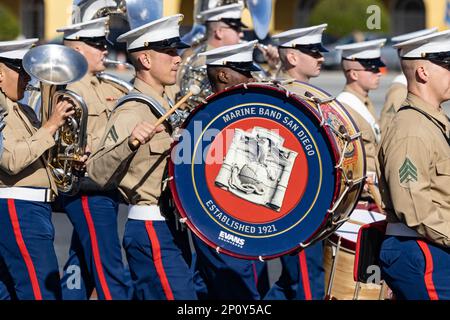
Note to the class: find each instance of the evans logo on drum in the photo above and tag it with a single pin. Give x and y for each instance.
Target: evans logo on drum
(234, 240)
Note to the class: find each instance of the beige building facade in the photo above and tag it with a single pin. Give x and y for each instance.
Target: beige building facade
(40, 18)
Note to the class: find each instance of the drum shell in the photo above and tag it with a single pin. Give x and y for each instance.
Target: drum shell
(343, 284)
(348, 200)
(338, 119)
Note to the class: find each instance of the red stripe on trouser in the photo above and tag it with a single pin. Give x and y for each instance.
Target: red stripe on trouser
(429, 284)
(95, 250)
(255, 274)
(157, 260)
(23, 250)
(304, 272)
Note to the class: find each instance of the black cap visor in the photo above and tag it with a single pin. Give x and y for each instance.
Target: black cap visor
(172, 43)
(14, 64)
(439, 58)
(100, 43)
(234, 23)
(373, 65)
(313, 48)
(242, 66)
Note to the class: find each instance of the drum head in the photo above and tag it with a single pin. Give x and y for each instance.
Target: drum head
(253, 172)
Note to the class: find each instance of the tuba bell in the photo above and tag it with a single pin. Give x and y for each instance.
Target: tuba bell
(55, 66)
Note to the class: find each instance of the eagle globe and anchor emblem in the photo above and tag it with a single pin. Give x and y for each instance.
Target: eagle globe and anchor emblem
(257, 175)
(257, 167)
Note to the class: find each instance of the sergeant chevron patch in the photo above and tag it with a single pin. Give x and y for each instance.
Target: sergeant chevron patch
(407, 172)
(113, 134)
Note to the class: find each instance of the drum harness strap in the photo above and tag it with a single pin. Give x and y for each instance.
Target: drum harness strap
(434, 121)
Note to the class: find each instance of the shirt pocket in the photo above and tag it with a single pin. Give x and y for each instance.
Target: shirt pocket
(443, 167)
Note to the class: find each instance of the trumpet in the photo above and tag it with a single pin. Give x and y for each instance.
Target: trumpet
(55, 66)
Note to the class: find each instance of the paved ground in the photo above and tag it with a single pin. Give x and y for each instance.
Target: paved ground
(333, 82)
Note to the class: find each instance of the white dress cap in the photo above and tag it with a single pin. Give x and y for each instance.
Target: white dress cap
(301, 37)
(161, 33)
(422, 47)
(362, 50)
(90, 29)
(236, 56)
(15, 49)
(412, 35)
(232, 11)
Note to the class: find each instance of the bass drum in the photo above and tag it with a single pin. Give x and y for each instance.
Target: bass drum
(258, 171)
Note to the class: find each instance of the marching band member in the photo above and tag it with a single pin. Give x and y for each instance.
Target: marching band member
(223, 28)
(95, 247)
(301, 55)
(227, 277)
(415, 175)
(154, 248)
(28, 263)
(361, 64)
(397, 91)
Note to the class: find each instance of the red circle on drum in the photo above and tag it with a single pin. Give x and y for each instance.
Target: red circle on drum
(243, 209)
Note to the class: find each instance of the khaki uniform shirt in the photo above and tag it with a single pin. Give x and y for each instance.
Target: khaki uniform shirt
(24, 143)
(100, 98)
(394, 99)
(138, 174)
(368, 136)
(415, 170)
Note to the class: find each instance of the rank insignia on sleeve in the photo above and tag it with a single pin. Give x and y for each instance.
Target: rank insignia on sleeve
(113, 134)
(407, 172)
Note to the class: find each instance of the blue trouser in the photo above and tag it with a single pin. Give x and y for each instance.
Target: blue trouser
(159, 257)
(28, 264)
(302, 276)
(95, 257)
(226, 277)
(415, 269)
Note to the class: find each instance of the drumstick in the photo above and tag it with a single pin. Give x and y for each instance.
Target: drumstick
(356, 222)
(193, 90)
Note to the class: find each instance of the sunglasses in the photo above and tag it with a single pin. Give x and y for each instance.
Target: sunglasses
(310, 50)
(373, 69)
(313, 53)
(238, 29)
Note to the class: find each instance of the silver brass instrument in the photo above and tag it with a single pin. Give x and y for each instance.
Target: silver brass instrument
(111, 62)
(192, 72)
(85, 10)
(120, 84)
(136, 12)
(56, 66)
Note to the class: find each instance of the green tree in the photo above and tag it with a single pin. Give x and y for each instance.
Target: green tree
(345, 16)
(9, 26)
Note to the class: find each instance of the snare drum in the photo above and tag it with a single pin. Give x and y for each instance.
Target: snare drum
(339, 254)
(258, 171)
